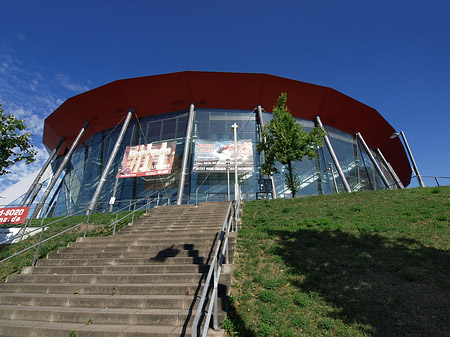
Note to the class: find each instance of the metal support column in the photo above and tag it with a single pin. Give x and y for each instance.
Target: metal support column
(261, 124)
(415, 168)
(109, 164)
(390, 169)
(41, 172)
(187, 145)
(374, 162)
(58, 172)
(333, 156)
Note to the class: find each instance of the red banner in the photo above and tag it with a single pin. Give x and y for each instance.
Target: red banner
(13, 214)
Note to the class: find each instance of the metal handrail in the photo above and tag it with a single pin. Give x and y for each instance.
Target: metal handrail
(117, 212)
(37, 245)
(196, 191)
(215, 270)
(40, 227)
(132, 215)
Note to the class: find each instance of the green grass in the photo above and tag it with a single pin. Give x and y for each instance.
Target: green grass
(99, 225)
(355, 264)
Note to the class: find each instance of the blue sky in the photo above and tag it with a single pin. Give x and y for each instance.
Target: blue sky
(391, 55)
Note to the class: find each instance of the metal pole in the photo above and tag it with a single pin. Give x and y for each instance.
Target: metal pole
(415, 168)
(228, 178)
(335, 160)
(215, 307)
(261, 124)
(236, 183)
(374, 162)
(437, 181)
(187, 145)
(111, 202)
(41, 172)
(390, 169)
(39, 243)
(59, 171)
(109, 164)
(35, 193)
(132, 215)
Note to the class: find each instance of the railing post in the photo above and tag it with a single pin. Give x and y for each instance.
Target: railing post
(39, 243)
(227, 261)
(132, 215)
(87, 224)
(215, 290)
(437, 182)
(115, 223)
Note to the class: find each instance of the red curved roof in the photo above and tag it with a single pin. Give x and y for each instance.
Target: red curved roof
(104, 107)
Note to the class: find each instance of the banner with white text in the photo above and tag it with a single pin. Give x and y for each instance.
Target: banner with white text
(13, 214)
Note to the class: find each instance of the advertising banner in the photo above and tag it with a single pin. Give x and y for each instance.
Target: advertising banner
(213, 155)
(148, 159)
(13, 214)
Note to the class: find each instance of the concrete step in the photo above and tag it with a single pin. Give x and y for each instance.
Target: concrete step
(144, 281)
(124, 269)
(167, 226)
(123, 261)
(106, 278)
(143, 240)
(141, 245)
(140, 233)
(101, 301)
(136, 254)
(20, 328)
(114, 316)
(102, 288)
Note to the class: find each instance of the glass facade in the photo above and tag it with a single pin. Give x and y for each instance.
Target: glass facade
(318, 176)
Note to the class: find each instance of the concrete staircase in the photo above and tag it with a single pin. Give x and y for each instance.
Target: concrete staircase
(144, 281)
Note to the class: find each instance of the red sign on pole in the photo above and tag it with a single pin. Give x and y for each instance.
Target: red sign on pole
(13, 214)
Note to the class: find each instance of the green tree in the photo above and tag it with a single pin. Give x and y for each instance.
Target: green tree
(285, 141)
(15, 145)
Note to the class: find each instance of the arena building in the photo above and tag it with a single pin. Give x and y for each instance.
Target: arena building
(178, 142)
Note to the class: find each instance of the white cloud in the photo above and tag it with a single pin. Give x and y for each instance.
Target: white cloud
(20, 37)
(30, 94)
(66, 83)
(33, 121)
(21, 170)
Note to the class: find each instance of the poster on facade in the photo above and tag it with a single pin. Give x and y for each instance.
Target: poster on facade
(212, 156)
(148, 159)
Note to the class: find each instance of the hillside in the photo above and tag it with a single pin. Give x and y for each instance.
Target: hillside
(356, 264)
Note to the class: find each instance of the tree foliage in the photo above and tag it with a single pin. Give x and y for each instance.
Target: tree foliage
(285, 141)
(15, 145)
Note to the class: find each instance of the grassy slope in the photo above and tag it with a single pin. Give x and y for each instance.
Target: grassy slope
(357, 264)
(99, 226)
